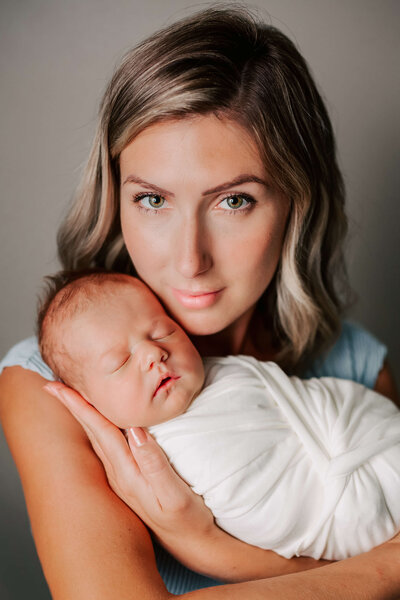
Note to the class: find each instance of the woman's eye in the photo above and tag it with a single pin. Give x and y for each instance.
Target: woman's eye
(236, 202)
(150, 201)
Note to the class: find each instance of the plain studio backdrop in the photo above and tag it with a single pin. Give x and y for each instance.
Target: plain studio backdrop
(56, 57)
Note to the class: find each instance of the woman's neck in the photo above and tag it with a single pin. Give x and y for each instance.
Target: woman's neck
(239, 338)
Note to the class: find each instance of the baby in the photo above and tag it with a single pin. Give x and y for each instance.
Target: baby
(302, 467)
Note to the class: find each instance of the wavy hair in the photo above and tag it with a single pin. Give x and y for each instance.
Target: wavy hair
(227, 63)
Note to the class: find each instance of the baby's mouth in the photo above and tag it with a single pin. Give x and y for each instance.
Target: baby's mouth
(165, 383)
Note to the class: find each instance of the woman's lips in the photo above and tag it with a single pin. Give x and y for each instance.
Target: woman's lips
(196, 299)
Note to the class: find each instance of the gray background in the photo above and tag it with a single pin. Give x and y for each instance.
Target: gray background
(55, 59)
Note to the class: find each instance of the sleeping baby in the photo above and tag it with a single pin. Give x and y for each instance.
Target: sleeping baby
(301, 467)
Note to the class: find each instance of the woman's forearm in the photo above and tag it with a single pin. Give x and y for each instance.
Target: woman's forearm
(374, 575)
(220, 556)
(371, 576)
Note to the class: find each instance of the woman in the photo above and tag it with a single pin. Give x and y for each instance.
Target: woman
(213, 176)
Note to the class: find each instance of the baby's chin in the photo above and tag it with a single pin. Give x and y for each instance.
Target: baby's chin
(176, 404)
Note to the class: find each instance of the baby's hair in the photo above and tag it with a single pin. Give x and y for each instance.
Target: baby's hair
(67, 294)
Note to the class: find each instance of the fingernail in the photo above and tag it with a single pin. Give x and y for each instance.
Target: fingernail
(138, 436)
(54, 390)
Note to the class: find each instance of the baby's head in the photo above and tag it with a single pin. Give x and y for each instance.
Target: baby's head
(107, 336)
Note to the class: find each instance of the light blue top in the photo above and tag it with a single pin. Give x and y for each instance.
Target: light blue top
(357, 355)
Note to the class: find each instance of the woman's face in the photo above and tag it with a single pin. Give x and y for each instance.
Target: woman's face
(201, 220)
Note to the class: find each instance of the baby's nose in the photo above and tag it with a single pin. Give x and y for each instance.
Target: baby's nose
(152, 355)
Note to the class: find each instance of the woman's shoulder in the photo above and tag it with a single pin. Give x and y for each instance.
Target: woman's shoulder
(26, 354)
(356, 355)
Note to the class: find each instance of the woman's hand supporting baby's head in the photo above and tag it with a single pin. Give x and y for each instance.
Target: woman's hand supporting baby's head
(107, 336)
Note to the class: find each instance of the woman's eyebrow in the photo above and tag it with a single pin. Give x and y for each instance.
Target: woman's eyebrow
(136, 179)
(245, 178)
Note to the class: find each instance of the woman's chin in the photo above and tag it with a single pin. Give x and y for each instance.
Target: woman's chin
(199, 325)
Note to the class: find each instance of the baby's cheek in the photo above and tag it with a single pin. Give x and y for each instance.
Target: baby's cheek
(197, 373)
(105, 399)
(92, 392)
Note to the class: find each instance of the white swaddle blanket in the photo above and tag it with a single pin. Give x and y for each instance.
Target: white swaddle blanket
(302, 467)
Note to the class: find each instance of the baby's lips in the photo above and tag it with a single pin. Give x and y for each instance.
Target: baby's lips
(164, 381)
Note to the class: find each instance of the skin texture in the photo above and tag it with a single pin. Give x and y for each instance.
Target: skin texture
(107, 552)
(127, 345)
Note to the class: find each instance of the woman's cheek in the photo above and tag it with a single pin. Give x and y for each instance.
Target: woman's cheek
(146, 245)
(254, 255)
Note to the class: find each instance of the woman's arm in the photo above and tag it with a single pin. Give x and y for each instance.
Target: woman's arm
(371, 576)
(92, 545)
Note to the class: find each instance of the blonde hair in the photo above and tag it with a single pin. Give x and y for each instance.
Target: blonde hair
(224, 62)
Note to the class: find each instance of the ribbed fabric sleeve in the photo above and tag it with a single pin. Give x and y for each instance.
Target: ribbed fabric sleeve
(178, 578)
(357, 355)
(26, 354)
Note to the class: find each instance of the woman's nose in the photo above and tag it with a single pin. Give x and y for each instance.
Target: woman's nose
(192, 249)
(151, 355)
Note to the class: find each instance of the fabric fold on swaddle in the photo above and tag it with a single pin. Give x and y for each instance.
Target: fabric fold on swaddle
(302, 467)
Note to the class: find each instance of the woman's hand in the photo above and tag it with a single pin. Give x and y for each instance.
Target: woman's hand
(140, 474)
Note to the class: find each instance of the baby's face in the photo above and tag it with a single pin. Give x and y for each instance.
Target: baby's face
(137, 366)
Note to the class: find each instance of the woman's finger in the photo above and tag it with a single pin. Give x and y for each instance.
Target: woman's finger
(179, 508)
(90, 418)
(106, 439)
(82, 410)
(172, 492)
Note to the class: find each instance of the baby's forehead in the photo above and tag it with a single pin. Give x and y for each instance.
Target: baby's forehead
(135, 294)
(128, 298)
(108, 319)
(94, 291)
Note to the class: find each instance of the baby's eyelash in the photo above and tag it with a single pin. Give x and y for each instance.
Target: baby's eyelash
(158, 338)
(122, 363)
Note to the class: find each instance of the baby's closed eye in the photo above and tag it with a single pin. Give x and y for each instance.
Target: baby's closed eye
(158, 336)
(125, 360)
(118, 364)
